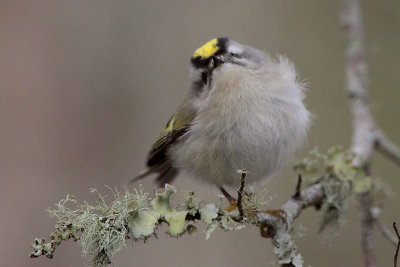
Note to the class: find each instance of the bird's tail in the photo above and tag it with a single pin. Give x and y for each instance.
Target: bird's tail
(141, 175)
(166, 174)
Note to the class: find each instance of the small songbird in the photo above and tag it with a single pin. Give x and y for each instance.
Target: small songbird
(244, 110)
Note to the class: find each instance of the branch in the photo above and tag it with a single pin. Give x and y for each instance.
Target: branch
(398, 244)
(103, 229)
(367, 230)
(279, 230)
(387, 148)
(364, 130)
(386, 232)
(366, 134)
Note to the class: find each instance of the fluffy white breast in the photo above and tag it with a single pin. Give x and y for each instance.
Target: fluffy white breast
(252, 119)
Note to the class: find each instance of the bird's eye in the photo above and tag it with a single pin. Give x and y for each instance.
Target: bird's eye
(234, 55)
(204, 77)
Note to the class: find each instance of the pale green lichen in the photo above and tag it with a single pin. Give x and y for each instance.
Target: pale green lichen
(41, 248)
(256, 200)
(224, 222)
(208, 213)
(191, 203)
(104, 225)
(176, 221)
(311, 166)
(65, 229)
(210, 229)
(340, 178)
(287, 252)
(100, 229)
(161, 203)
(229, 224)
(143, 223)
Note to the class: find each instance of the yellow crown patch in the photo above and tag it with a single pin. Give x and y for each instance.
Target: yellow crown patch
(207, 50)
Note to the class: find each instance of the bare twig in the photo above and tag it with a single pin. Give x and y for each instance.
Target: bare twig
(311, 196)
(239, 203)
(298, 187)
(386, 232)
(387, 148)
(398, 244)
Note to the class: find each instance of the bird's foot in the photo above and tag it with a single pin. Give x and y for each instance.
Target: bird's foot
(232, 201)
(232, 205)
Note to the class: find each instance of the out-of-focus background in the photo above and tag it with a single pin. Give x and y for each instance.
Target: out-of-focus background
(86, 86)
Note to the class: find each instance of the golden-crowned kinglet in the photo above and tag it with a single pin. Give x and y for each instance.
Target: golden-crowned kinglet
(244, 110)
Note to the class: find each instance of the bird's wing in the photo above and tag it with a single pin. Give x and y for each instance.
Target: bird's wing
(158, 160)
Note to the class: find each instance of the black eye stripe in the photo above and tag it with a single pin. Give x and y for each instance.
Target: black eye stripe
(204, 77)
(234, 55)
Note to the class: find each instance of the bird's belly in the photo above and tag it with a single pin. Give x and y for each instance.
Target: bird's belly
(214, 152)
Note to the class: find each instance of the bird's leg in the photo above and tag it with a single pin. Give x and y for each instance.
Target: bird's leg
(231, 200)
(279, 213)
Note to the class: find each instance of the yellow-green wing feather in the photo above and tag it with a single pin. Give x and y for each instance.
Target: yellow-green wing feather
(158, 160)
(177, 125)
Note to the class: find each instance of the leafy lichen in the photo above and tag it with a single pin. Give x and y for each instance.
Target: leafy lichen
(340, 178)
(143, 223)
(208, 213)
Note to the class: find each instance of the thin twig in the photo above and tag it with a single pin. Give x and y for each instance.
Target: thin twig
(398, 244)
(387, 148)
(298, 187)
(240, 193)
(385, 232)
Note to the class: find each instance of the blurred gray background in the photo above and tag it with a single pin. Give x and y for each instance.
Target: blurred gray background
(86, 86)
